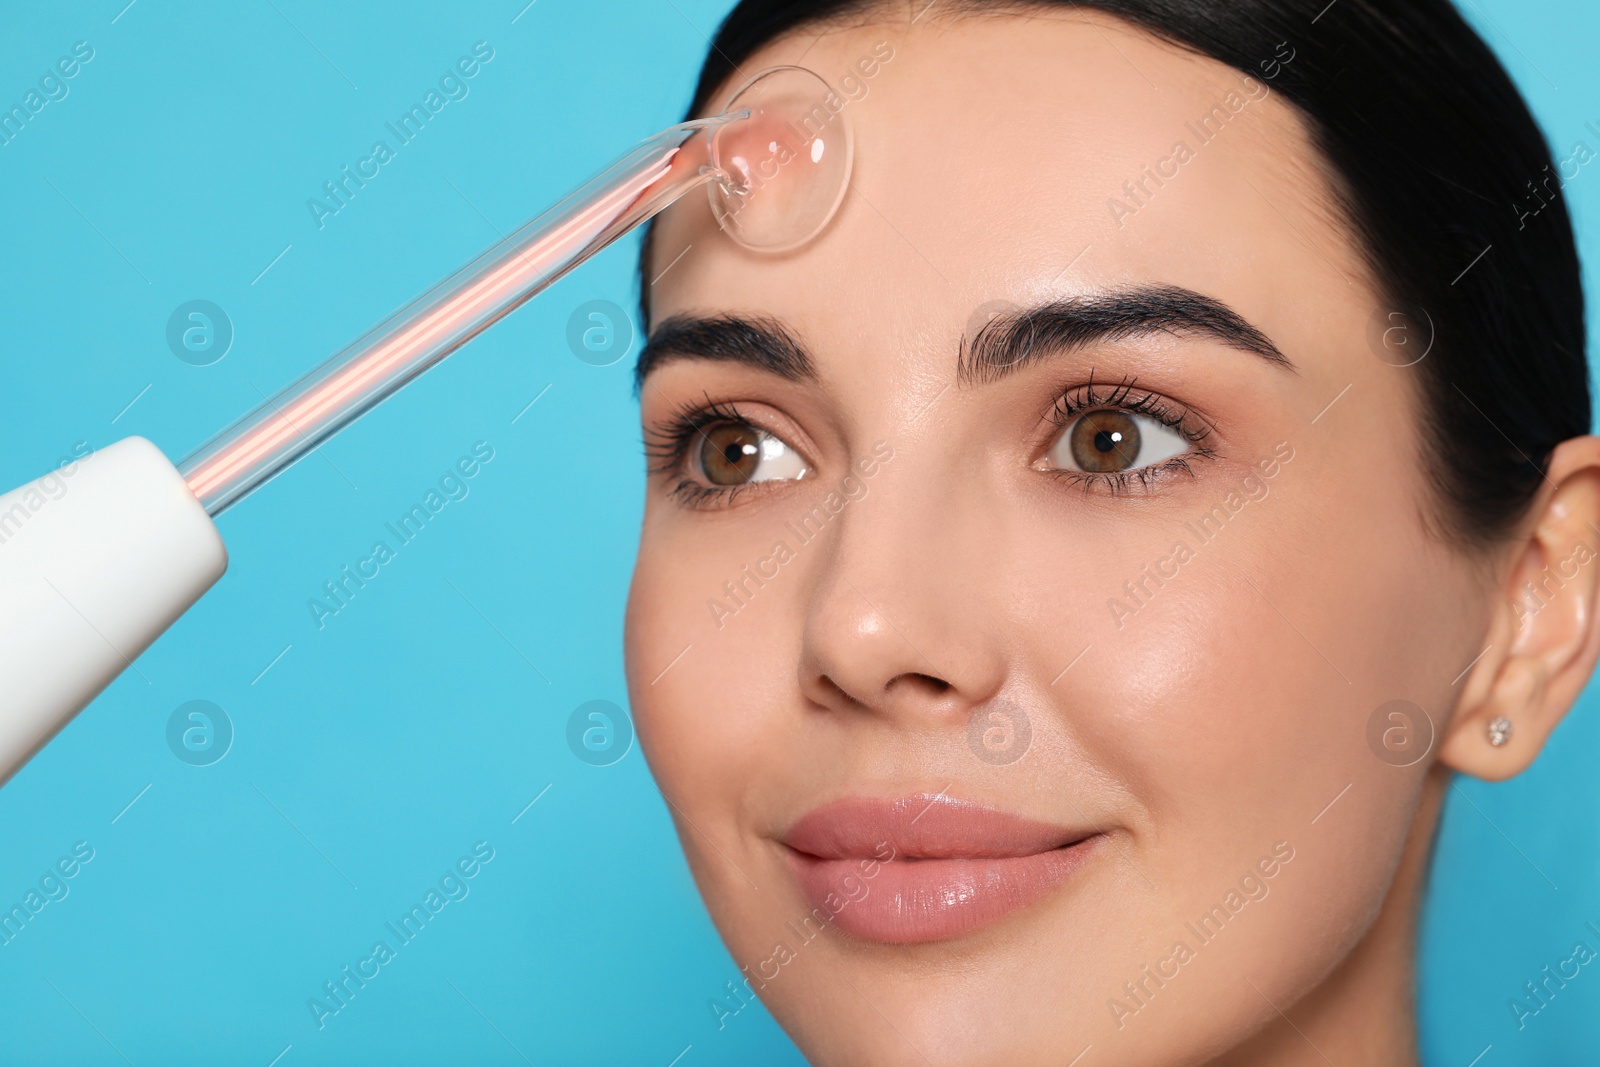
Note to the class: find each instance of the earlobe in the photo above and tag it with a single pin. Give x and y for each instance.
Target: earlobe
(1516, 710)
(1543, 639)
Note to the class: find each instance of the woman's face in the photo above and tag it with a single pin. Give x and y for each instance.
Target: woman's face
(1011, 692)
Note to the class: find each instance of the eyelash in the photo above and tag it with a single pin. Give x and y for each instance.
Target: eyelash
(667, 444)
(1125, 396)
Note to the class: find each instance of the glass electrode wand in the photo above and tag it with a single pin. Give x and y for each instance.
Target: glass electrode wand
(100, 556)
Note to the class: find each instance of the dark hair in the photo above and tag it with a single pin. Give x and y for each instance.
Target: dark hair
(1443, 175)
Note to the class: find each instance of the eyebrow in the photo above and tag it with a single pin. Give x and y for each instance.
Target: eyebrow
(1010, 341)
(1023, 336)
(760, 342)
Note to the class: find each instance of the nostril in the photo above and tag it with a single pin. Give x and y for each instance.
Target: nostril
(834, 693)
(937, 685)
(829, 693)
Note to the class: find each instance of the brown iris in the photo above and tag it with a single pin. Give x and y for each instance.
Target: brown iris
(1104, 442)
(730, 453)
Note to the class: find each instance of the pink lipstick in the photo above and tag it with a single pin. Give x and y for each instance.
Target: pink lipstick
(928, 867)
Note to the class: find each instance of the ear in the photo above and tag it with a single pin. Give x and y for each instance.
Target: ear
(1543, 638)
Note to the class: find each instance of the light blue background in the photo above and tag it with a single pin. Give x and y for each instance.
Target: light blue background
(373, 753)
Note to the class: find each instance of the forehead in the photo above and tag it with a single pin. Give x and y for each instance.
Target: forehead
(1026, 157)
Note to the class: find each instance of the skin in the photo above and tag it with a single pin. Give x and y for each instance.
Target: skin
(1227, 715)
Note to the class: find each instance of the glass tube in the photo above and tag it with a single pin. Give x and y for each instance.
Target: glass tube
(286, 427)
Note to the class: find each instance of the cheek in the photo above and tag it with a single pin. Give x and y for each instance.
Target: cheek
(709, 670)
(1234, 697)
(714, 708)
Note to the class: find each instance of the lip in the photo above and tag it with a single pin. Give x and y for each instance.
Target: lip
(928, 867)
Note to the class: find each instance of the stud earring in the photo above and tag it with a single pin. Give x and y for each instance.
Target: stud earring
(1499, 730)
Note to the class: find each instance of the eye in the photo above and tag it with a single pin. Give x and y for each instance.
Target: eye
(1113, 441)
(737, 453)
(710, 453)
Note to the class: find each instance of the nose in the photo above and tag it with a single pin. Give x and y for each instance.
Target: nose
(900, 620)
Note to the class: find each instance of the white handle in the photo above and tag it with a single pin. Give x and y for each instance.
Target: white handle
(97, 558)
